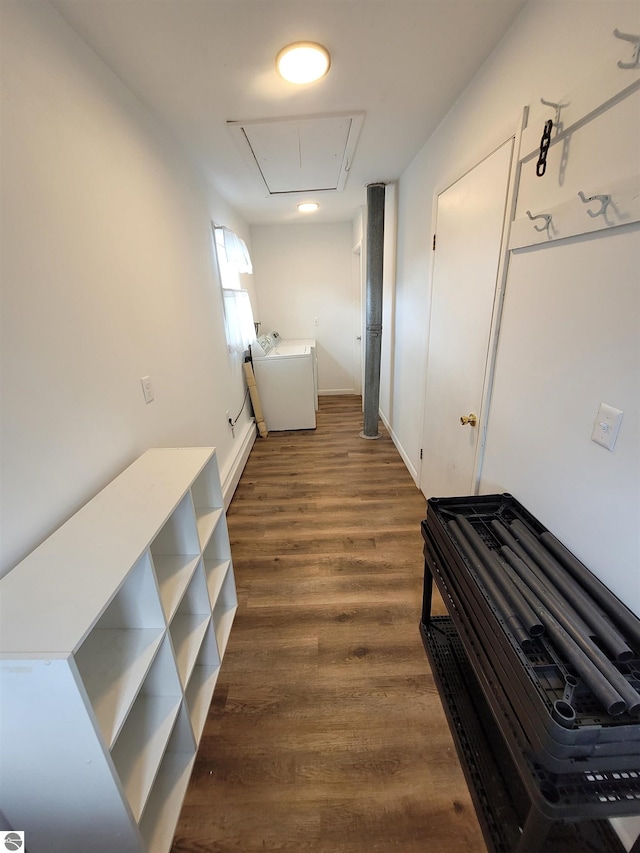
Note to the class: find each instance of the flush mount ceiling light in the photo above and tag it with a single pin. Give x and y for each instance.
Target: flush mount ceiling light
(307, 206)
(303, 62)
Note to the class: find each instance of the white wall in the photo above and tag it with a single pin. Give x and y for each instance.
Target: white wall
(568, 344)
(304, 272)
(107, 276)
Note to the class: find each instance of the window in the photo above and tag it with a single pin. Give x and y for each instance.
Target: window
(233, 259)
(238, 320)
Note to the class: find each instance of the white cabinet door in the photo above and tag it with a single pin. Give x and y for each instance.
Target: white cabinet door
(469, 224)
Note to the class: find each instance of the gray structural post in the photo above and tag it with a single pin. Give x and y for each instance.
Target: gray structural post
(373, 338)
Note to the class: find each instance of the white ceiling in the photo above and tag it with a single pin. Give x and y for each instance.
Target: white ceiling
(201, 63)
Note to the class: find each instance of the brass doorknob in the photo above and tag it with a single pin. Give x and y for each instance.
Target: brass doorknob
(471, 419)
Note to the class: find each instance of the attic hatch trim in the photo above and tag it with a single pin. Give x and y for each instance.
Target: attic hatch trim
(240, 130)
(253, 161)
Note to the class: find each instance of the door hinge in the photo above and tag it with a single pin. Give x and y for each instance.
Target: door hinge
(420, 453)
(434, 243)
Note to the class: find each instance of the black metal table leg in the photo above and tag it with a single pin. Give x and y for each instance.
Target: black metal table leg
(427, 595)
(534, 833)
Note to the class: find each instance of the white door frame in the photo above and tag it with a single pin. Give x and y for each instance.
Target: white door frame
(498, 302)
(358, 319)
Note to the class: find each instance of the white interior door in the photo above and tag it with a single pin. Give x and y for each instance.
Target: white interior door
(469, 224)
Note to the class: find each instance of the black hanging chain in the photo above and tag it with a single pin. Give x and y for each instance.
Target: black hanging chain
(545, 142)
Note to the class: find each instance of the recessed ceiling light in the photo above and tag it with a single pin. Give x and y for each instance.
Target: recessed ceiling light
(307, 206)
(303, 62)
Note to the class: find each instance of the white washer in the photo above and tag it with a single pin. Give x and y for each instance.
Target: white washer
(283, 346)
(285, 385)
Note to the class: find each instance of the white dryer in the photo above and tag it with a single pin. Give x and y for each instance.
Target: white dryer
(285, 384)
(285, 345)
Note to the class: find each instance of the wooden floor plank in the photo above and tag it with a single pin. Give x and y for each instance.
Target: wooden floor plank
(326, 732)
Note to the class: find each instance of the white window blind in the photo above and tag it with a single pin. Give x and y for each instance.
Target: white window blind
(239, 320)
(233, 260)
(233, 257)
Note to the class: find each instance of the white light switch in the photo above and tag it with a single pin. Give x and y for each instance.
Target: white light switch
(147, 389)
(605, 429)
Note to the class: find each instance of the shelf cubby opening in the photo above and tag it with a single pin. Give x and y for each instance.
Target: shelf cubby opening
(217, 547)
(207, 500)
(115, 657)
(178, 534)
(224, 610)
(217, 560)
(174, 573)
(162, 810)
(175, 552)
(208, 521)
(190, 623)
(215, 573)
(202, 683)
(138, 751)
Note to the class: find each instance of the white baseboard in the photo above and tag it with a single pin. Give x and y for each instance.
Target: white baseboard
(400, 449)
(336, 392)
(231, 476)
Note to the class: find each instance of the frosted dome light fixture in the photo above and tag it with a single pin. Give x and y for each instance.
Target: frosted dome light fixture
(307, 206)
(303, 62)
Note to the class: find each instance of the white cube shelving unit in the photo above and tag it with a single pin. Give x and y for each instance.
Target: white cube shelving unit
(111, 639)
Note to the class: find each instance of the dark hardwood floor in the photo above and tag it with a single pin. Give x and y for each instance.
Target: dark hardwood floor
(326, 732)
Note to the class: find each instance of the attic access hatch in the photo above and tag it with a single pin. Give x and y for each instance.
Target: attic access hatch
(299, 155)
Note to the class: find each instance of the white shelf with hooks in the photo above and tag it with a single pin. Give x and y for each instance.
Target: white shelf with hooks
(591, 178)
(572, 218)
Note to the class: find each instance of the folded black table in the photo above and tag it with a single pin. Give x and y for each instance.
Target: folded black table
(548, 739)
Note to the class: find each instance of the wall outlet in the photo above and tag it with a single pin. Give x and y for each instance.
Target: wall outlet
(147, 389)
